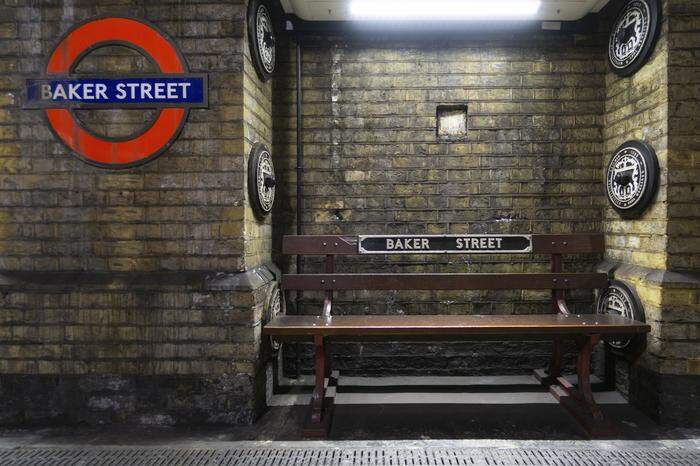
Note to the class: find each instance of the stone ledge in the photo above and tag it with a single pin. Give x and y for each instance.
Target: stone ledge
(249, 280)
(130, 281)
(662, 278)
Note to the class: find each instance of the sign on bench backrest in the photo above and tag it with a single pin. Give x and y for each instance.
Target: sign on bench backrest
(444, 244)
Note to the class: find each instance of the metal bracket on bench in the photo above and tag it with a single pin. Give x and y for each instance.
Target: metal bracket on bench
(562, 306)
(327, 306)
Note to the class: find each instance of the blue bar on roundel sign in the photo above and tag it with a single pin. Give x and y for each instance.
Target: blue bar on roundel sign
(147, 91)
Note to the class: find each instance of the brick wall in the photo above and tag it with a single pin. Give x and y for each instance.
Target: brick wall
(636, 107)
(257, 127)
(543, 111)
(684, 126)
(132, 352)
(657, 252)
(531, 163)
(137, 295)
(175, 213)
(133, 295)
(682, 297)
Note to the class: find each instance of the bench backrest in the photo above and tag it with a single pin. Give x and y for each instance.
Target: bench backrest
(353, 245)
(553, 245)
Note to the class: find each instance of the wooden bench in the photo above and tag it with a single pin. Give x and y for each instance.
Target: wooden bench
(558, 326)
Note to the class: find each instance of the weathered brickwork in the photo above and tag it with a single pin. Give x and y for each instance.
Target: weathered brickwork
(681, 298)
(684, 127)
(257, 127)
(130, 335)
(179, 212)
(137, 295)
(657, 252)
(637, 108)
(531, 162)
(124, 296)
(373, 162)
(538, 123)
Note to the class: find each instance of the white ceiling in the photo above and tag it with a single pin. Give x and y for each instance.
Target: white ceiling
(339, 10)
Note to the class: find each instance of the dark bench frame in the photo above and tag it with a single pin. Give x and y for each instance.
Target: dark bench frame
(585, 330)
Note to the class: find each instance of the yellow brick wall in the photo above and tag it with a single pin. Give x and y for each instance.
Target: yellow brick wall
(257, 127)
(658, 105)
(636, 107)
(119, 289)
(175, 213)
(684, 127)
(682, 302)
(531, 163)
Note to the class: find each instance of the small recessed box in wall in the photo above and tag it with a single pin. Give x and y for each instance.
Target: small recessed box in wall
(451, 122)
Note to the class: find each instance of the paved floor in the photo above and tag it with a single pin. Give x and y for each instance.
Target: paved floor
(496, 407)
(374, 453)
(368, 435)
(519, 424)
(368, 423)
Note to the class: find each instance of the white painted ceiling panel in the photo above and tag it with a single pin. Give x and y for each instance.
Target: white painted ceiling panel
(339, 10)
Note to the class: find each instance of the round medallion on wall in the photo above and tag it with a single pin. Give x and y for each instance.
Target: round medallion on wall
(261, 38)
(275, 305)
(633, 35)
(632, 178)
(619, 299)
(261, 180)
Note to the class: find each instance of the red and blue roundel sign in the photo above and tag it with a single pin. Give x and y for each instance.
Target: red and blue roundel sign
(172, 90)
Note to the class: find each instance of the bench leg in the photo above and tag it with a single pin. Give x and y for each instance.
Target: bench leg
(579, 400)
(321, 408)
(549, 375)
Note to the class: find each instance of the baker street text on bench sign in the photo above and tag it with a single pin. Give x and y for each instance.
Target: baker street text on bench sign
(444, 244)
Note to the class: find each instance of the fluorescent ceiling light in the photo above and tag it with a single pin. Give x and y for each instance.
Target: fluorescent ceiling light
(443, 10)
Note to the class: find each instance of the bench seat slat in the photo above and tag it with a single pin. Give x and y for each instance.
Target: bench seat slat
(445, 281)
(454, 325)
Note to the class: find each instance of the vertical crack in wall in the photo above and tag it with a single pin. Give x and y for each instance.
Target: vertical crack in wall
(337, 52)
